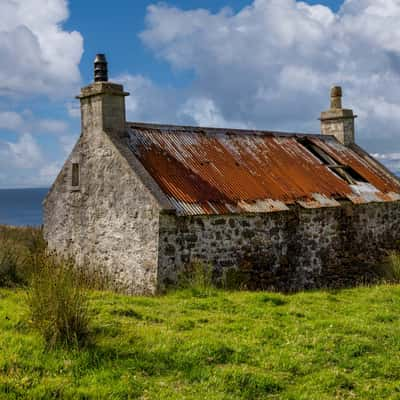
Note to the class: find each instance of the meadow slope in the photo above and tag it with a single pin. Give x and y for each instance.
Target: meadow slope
(224, 345)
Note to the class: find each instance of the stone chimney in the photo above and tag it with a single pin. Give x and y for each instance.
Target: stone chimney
(102, 102)
(337, 121)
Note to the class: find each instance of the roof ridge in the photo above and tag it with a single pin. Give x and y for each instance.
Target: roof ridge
(196, 129)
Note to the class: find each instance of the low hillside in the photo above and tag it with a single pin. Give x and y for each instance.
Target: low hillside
(239, 345)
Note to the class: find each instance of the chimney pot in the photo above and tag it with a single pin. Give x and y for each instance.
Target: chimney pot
(100, 68)
(102, 102)
(336, 98)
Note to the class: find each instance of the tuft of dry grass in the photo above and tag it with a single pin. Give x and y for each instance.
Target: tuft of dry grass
(94, 278)
(392, 268)
(197, 277)
(57, 295)
(58, 303)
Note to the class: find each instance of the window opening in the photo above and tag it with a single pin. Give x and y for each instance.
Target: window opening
(75, 174)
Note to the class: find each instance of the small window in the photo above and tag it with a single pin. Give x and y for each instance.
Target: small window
(75, 175)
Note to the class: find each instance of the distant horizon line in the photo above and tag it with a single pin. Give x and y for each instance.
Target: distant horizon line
(26, 188)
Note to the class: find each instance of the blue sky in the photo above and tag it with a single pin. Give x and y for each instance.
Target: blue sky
(121, 41)
(261, 64)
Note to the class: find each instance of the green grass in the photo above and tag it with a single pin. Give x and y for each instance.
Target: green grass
(228, 345)
(19, 249)
(198, 343)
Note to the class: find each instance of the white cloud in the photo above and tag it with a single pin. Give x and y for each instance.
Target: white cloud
(26, 122)
(67, 143)
(23, 154)
(387, 156)
(73, 109)
(24, 164)
(272, 63)
(391, 160)
(39, 60)
(51, 126)
(10, 120)
(36, 54)
(204, 112)
(147, 101)
(48, 173)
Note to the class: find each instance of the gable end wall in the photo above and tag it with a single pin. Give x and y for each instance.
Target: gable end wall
(110, 222)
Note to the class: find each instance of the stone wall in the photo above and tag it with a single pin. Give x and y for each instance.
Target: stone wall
(290, 250)
(342, 128)
(110, 220)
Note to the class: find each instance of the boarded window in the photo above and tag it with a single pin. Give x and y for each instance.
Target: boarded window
(75, 174)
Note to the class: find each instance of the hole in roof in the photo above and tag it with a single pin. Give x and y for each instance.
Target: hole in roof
(344, 172)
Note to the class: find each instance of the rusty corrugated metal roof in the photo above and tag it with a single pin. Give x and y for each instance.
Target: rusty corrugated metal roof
(214, 171)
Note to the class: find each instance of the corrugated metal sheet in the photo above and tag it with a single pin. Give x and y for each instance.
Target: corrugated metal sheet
(317, 201)
(379, 183)
(217, 171)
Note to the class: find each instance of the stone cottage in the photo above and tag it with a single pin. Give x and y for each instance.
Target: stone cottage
(284, 210)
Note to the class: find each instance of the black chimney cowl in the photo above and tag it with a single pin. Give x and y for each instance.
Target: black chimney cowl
(100, 68)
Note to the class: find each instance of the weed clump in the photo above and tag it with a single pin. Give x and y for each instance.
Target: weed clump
(392, 267)
(58, 304)
(198, 278)
(57, 290)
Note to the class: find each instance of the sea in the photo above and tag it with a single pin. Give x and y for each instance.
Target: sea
(21, 207)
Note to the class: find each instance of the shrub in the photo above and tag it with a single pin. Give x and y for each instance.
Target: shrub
(58, 303)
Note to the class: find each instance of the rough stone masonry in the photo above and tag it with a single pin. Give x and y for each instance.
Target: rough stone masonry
(146, 201)
(291, 250)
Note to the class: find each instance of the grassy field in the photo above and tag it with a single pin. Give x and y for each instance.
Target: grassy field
(226, 345)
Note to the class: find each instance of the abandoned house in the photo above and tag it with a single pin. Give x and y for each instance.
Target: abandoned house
(267, 209)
